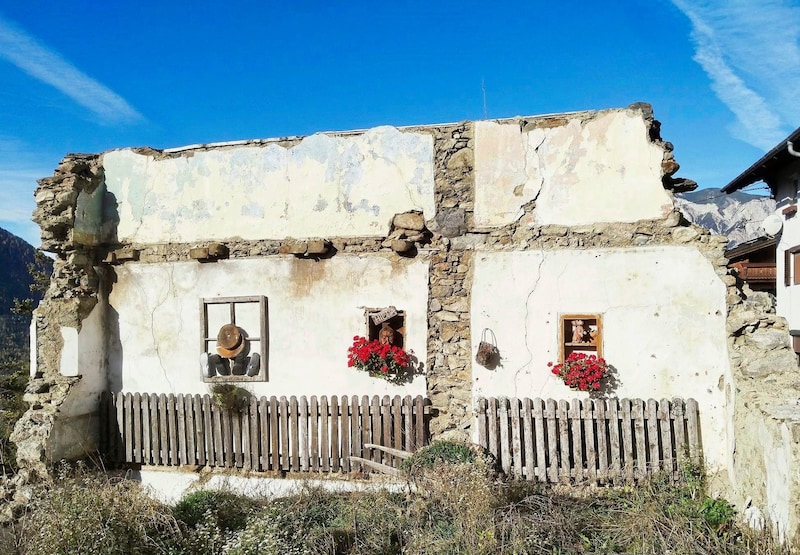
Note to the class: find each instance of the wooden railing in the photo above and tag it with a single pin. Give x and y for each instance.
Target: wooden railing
(270, 434)
(594, 440)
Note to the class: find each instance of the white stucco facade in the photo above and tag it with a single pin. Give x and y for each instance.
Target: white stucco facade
(315, 308)
(323, 186)
(663, 312)
(571, 170)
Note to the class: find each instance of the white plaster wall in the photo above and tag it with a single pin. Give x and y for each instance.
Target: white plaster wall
(788, 296)
(663, 311)
(324, 186)
(170, 486)
(314, 312)
(605, 169)
(83, 354)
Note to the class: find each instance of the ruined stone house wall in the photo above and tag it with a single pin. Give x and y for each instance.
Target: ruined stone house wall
(505, 225)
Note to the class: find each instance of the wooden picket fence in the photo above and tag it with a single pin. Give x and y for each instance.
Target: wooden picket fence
(270, 434)
(593, 440)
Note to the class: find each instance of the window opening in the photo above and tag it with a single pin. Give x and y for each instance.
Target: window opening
(235, 339)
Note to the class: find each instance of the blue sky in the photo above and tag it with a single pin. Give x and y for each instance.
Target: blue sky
(82, 76)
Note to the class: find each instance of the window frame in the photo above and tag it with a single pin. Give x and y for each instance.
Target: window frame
(206, 339)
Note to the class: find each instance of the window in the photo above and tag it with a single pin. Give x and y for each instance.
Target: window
(382, 318)
(580, 333)
(791, 266)
(235, 339)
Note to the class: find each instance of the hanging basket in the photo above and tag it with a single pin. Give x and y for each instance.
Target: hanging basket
(488, 354)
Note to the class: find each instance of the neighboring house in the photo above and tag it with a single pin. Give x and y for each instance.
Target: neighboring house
(540, 235)
(780, 170)
(754, 262)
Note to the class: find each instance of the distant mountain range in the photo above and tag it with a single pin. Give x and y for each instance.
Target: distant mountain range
(738, 215)
(15, 281)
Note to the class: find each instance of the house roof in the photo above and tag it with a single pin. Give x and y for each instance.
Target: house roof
(749, 247)
(766, 167)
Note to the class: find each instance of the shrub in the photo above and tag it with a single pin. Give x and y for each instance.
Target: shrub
(229, 509)
(90, 513)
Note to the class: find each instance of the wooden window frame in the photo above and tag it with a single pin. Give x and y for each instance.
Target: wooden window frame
(564, 335)
(207, 339)
(398, 324)
(791, 266)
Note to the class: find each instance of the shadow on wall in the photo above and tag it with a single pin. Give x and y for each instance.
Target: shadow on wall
(113, 343)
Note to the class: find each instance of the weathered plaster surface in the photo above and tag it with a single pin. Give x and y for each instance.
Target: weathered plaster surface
(578, 170)
(663, 313)
(315, 307)
(323, 186)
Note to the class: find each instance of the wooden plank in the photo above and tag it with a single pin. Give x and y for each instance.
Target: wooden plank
(652, 436)
(198, 429)
(163, 430)
(355, 432)
(119, 432)
(399, 453)
(344, 427)
(207, 451)
(516, 438)
(294, 436)
(587, 416)
(313, 420)
(637, 415)
(136, 406)
(552, 440)
(505, 444)
(302, 436)
(615, 464)
(254, 445)
(480, 422)
(693, 429)
(397, 422)
(678, 427)
(265, 433)
(541, 437)
(577, 471)
(420, 429)
(665, 427)
(626, 422)
(147, 447)
(376, 466)
(375, 428)
(599, 406)
(127, 438)
(219, 442)
(227, 438)
(324, 428)
(529, 439)
(191, 430)
(386, 428)
(274, 434)
(335, 446)
(493, 426)
(563, 441)
(181, 412)
(408, 423)
(102, 443)
(283, 419)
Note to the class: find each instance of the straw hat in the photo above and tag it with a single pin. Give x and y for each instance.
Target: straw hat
(230, 341)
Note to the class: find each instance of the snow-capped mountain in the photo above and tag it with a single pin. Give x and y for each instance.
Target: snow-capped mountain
(738, 215)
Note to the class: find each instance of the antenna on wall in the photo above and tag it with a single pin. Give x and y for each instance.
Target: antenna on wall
(483, 89)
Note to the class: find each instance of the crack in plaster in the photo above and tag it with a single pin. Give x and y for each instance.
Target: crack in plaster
(527, 317)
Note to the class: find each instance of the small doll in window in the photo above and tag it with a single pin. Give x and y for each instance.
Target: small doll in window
(386, 335)
(578, 331)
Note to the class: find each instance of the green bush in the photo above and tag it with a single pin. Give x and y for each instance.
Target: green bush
(442, 452)
(90, 513)
(228, 509)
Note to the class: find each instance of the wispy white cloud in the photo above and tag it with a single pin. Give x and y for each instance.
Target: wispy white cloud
(48, 66)
(749, 49)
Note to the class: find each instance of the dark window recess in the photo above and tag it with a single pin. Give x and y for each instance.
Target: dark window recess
(234, 340)
(380, 318)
